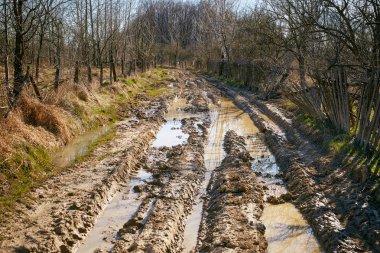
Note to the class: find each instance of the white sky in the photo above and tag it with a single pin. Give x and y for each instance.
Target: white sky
(247, 3)
(243, 3)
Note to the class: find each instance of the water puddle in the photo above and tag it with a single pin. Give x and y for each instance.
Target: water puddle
(177, 111)
(170, 134)
(223, 118)
(287, 232)
(120, 209)
(78, 147)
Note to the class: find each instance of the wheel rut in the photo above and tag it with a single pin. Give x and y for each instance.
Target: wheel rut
(188, 172)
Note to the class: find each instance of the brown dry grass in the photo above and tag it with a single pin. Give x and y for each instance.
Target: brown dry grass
(15, 131)
(34, 129)
(48, 117)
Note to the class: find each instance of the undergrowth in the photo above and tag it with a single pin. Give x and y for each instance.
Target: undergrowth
(35, 130)
(361, 163)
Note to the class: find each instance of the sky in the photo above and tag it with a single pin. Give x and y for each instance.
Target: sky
(247, 3)
(242, 3)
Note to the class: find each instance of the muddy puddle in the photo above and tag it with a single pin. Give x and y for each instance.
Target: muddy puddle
(78, 147)
(171, 134)
(224, 118)
(119, 210)
(287, 231)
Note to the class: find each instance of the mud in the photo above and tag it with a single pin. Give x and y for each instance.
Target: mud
(59, 215)
(169, 183)
(225, 116)
(177, 174)
(235, 204)
(121, 208)
(332, 202)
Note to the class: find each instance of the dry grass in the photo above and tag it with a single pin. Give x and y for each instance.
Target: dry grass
(35, 129)
(48, 117)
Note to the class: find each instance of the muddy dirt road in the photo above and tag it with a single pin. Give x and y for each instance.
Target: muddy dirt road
(189, 171)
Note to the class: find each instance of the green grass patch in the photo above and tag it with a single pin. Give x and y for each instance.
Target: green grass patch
(340, 143)
(24, 170)
(312, 122)
(110, 112)
(157, 92)
(161, 73)
(121, 98)
(128, 82)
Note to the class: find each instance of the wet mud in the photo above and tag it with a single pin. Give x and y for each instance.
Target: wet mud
(58, 216)
(235, 204)
(188, 171)
(178, 171)
(341, 217)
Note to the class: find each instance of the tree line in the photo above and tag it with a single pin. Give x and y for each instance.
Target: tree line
(322, 54)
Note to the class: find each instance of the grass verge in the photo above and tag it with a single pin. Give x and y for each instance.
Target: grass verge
(28, 162)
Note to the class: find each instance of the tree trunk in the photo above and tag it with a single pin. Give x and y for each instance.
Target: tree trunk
(40, 43)
(123, 66)
(39, 55)
(87, 45)
(56, 78)
(76, 73)
(92, 33)
(129, 68)
(18, 50)
(114, 71)
(29, 78)
(101, 78)
(6, 63)
(302, 72)
(58, 56)
(89, 73)
(110, 68)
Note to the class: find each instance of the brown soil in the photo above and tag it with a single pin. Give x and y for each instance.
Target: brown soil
(62, 211)
(334, 203)
(178, 172)
(59, 215)
(235, 204)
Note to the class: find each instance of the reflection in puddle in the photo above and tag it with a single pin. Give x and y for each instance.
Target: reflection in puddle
(224, 118)
(176, 110)
(170, 135)
(288, 232)
(121, 208)
(286, 229)
(78, 147)
(266, 165)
